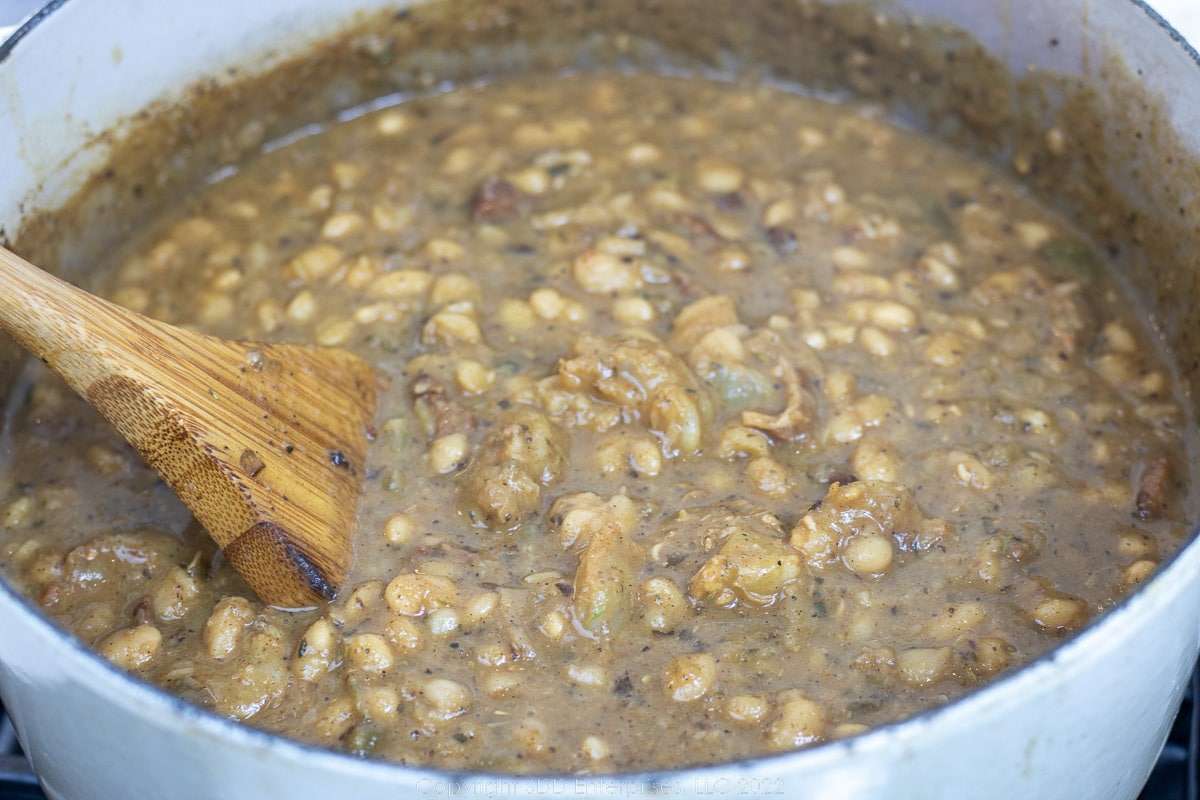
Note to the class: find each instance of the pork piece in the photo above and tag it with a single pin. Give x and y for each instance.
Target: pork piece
(634, 380)
(600, 531)
(439, 412)
(253, 683)
(502, 487)
(753, 563)
(1154, 487)
(798, 412)
(862, 524)
(113, 566)
(495, 201)
(730, 357)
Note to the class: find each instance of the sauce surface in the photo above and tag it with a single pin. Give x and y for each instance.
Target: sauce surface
(720, 421)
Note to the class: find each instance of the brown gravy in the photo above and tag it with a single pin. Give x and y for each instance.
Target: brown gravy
(721, 421)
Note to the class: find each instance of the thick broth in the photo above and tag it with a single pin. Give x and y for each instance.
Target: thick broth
(720, 421)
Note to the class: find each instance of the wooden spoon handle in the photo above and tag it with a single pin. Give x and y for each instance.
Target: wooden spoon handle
(264, 443)
(80, 336)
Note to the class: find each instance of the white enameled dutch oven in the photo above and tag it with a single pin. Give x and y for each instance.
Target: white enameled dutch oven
(1086, 721)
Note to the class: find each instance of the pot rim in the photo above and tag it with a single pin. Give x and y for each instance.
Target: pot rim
(22, 30)
(1191, 48)
(154, 698)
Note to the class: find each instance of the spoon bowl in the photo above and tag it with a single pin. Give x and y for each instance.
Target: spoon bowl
(264, 443)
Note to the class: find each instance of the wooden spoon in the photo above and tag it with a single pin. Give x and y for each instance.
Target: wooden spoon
(264, 443)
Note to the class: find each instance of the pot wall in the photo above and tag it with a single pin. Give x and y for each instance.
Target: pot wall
(1088, 721)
